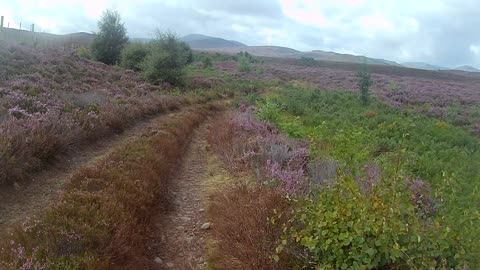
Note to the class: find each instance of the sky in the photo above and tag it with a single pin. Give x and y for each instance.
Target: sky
(439, 32)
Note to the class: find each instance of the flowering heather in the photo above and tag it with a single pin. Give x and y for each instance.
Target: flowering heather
(453, 97)
(50, 101)
(256, 145)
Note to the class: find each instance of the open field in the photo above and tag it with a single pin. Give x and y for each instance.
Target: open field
(297, 161)
(453, 97)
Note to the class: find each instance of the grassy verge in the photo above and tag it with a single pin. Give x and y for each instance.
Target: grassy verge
(103, 214)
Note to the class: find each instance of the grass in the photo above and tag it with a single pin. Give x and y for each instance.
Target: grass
(102, 218)
(339, 127)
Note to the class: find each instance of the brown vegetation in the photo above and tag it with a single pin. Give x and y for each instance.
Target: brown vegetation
(103, 215)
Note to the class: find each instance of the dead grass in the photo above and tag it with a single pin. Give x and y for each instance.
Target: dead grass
(244, 237)
(102, 219)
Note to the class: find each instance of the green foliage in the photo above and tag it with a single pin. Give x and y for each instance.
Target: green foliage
(364, 83)
(207, 63)
(83, 52)
(343, 227)
(244, 64)
(167, 60)
(133, 56)
(245, 55)
(109, 42)
(307, 61)
(340, 127)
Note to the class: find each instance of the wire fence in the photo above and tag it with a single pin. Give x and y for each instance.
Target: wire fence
(45, 40)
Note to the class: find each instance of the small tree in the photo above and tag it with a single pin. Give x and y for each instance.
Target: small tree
(364, 83)
(244, 64)
(133, 56)
(166, 61)
(109, 42)
(207, 63)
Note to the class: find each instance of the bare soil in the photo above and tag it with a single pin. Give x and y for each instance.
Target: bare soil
(177, 240)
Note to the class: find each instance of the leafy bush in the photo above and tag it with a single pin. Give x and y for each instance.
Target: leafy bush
(133, 56)
(207, 63)
(109, 42)
(84, 53)
(347, 227)
(307, 61)
(364, 83)
(166, 60)
(244, 64)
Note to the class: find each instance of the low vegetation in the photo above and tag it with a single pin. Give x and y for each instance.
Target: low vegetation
(103, 215)
(52, 102)
(344, 214)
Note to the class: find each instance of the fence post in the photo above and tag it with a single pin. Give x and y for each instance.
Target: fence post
(33, 27)
(1, 22)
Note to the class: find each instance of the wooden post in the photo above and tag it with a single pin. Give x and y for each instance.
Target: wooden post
(33, 27)
(1, 22)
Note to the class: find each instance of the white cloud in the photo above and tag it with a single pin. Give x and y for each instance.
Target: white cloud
(442, 32)
(475, 49)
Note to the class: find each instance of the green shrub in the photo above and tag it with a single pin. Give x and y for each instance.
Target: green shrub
(307, 61)
(167, 60)
(83, 52)
(244, 64)
(109, 42)
(207, 63)
(364, 83)
(133, 56)
(345, 227)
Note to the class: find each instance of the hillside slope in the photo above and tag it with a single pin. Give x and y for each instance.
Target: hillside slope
(197, 41)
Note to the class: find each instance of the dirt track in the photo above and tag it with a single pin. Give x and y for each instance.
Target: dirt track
(19, 202)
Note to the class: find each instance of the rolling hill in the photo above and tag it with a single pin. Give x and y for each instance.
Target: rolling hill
(422, 65)
(467, 68)
(197, 41)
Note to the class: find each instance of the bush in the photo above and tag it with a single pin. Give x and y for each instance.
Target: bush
(346, 226)
(307, 61)
(364, 83)
(109, 42)
(207, 63)
(167, 59)
(244, 64)
(83, 52)
(133, 56)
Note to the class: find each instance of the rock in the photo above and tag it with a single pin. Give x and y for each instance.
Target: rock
(206, 226)
(158, 260)
(170, 265)
(180, 228)
(201, 210)
(185, 219)
(16, 186)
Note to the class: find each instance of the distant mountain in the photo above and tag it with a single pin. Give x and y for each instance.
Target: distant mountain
(467, 68)
(197, 41)
(284, 52)
(422, 65)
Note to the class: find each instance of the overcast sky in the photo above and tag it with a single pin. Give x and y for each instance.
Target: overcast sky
(442, 32)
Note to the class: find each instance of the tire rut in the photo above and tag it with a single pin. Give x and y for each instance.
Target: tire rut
(20, 202)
